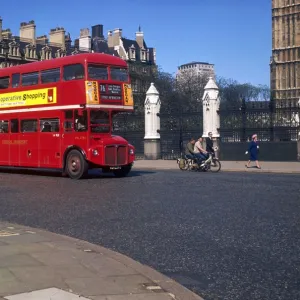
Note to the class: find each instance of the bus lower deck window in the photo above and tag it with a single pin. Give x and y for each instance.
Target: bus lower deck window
(3, 126)
(14, 126)
(29, 125)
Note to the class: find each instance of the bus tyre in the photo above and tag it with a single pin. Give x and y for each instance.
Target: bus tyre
(123, 172)
(76, 166)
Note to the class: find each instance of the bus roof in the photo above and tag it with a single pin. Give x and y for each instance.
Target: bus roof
(57, 62)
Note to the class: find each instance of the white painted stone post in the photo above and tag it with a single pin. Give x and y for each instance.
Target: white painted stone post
(152, 124)
(211, 105)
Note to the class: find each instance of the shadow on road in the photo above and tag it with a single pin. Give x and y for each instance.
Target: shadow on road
(93, 174)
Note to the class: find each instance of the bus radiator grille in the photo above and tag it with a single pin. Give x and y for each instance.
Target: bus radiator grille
(121, 155)
(115, 155)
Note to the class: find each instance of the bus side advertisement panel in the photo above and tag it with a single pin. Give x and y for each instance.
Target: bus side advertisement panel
(92, 92)
(28, 98)
(128, 98)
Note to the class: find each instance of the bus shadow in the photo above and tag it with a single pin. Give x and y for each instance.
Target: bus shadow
(93, 174)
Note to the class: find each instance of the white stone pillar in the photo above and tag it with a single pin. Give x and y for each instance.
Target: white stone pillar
(211, 105)
(211, 117)
(152, 124)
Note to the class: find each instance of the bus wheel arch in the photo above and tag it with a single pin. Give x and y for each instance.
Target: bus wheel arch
(75, 164)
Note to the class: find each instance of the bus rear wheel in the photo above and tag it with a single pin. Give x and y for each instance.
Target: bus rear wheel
(76, 165)
(123, 172)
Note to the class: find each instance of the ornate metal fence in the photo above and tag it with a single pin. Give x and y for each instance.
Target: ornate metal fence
(277, 127)
(131, 126)
(177, 127)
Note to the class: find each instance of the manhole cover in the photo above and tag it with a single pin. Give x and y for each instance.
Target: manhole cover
(47, 294)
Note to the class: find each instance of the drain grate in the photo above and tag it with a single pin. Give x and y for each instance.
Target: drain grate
(154, 287)
(7, 233)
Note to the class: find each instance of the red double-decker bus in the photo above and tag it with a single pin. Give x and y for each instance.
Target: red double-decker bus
(57, 114)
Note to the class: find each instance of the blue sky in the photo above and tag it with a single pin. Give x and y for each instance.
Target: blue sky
(235, 35)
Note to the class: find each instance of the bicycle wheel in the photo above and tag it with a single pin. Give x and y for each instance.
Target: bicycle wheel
(183, 164)
(215, 165)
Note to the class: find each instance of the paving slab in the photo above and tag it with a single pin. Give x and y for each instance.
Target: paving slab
(6, 275)
(46, 294)
(135, 297)
(24, 260)
(25, 248)
(35, 264)
(229, 166)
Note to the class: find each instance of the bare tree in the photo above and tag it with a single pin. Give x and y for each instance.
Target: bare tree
(190, 88)
(233, 93)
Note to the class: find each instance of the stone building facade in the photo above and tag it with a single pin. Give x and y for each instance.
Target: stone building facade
(199, 68)
(285, 59)
(27, 47)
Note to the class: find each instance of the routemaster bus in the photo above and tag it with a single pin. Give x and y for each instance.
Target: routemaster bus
(57, 114)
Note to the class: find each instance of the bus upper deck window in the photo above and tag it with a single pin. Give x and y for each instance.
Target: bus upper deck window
(15, 80)
(4, 82)
(73, 72)
(30, 78)
(97, 72)
(51, 75)
(119, 74)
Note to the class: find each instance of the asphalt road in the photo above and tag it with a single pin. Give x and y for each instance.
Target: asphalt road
(224, 236)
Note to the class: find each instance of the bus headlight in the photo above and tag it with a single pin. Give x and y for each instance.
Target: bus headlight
(131, 151)
(95, 152)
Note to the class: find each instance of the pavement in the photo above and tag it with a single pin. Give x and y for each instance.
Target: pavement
(39, 265)
(229, 166)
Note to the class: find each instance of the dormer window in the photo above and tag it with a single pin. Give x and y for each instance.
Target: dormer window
(30, 52)
(132, 55)
(46, 53)
(14, 49)
(60, 53)
(143, 55)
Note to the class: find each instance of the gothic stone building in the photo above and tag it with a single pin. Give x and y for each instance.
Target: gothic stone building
(27, 48)
(285, 60)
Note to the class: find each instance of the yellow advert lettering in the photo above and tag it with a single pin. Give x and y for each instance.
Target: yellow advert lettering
(28, 98)
(92, 92)
(128, 98)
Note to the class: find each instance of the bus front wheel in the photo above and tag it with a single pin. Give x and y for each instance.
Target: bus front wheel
(76, 165)
(123, 172)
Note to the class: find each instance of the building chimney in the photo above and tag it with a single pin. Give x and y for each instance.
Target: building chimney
(0, 29)
(85, 40)
(110, 39)
(6, 34)
(57, 37)
(139, 37)
(27, 32)
(42, 40)
(76, 43)
(68, 41)
(97, 31)
(117, 34)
